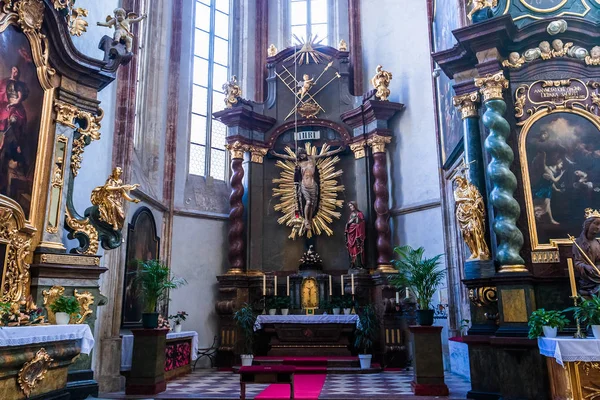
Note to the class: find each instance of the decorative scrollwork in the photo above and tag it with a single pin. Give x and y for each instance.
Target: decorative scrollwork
(85, 232)
(557, 49)
(74, 16)
(483, 296)
(50, 296)
(34, 371)
(16, 270)
(84, 136)
(86, 300)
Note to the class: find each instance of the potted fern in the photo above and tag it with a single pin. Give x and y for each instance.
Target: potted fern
(548, 322)
(420, 275)
(365, 335)
(154, 280)
(245, 319)
(347, 303)
(588, 313)
(284, 304)
(63, 308)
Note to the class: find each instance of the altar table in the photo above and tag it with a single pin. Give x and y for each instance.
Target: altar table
(180, 351)
(573, 366)
(307, 335)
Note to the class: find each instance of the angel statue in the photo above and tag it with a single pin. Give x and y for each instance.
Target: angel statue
(109, 199)
(470, 214)
(479, 5)
(306, 180)
(122, 23)
(381, 82)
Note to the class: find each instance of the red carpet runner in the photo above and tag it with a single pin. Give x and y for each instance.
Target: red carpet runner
(307, 387)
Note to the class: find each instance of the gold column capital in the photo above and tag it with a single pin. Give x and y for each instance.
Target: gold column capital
(237, 149)
(377, 143)
(358, 148)
(468, 104)
(257, 153)
(491, 86)
(65, 113)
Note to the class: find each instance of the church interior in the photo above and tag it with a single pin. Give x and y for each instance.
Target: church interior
(311, 199)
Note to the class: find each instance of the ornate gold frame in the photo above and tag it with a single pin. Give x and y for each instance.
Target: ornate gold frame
(535, 245)
(34, 371)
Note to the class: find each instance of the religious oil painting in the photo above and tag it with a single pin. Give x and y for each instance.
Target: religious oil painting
(447, 17)
(563, 162)
(21, 101)
(142, 245)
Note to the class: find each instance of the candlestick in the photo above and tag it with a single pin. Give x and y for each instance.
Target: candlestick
(330, 286)
(264, 285)
(342, 276)
(572, 277)
(578, 334)
(397, 297)
(275, 285)
(407, 293)
(288, 285)
(352, 282)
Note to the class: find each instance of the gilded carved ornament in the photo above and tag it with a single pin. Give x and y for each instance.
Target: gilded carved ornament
(468, 104)
(50, 296)
(237, 149)
(16, 269)
(33, 372)
(110, 199)
(70, 259)
(381, 82)
(377, 143)
(483, 296)
(232, 92)
(257, 153)
(557, 49)
(84, 227)
(492, 85)
(272, 50)
(74, 15)
(85, 300)
(358, 149)
(343, 46)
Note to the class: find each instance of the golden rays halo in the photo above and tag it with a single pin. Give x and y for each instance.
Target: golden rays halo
(328, 193)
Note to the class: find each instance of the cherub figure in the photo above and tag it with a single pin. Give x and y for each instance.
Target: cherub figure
(122, 22)
(305, 86)
(480, 5)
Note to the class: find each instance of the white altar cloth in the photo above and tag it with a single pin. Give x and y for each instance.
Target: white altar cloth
(127, 346)
(305, 319)
(568, 349)
(23, 335)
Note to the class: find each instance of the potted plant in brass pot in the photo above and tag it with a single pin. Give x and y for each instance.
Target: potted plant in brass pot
(154, 280)
(548, 322)
(63, 308)
(420, 275)
(365, 334)
(588, 313)
(245, 319)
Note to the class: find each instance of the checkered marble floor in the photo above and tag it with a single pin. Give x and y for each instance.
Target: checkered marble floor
(211, 384)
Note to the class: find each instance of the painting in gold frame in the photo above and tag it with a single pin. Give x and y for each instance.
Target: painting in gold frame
(560, 162)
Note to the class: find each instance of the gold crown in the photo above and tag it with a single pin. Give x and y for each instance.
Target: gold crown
(589, 213)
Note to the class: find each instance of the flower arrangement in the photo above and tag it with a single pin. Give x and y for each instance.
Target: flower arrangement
(20, 313)
(179, 317)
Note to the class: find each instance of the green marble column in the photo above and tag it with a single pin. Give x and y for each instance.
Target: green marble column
(509, 238)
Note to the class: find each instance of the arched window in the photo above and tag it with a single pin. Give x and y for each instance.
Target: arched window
(309, 18)
(210, 72)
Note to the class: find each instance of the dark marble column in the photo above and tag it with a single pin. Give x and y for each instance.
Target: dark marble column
(237, 242)
(504, 183)
(381, 202)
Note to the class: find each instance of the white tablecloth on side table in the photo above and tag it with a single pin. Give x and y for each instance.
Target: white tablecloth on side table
(24, 335)
(568, 349)
(305, 319)
(127, 346)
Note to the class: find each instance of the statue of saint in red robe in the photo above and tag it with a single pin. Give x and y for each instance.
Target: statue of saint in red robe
(355, 235)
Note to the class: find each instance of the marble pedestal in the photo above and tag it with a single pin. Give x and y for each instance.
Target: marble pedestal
(428, 363)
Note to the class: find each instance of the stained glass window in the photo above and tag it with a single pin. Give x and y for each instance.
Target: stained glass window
(308, 18)
(210, 72)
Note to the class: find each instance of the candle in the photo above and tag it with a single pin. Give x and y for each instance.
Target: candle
(407, 293)
(352, 282)
(264, 285)
(275, 285)
(342, 284)
(397, 297)
(288, 285)
(330, 286)
(572, 277)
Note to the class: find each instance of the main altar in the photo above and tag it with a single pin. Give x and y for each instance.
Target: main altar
(309, 216)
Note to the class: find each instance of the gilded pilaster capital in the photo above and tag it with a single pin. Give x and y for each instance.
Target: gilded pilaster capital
(468, 104)
(237, 149)
(483, 296)
(65, 113)
(377, 143)
(358, 149)
(257, 153)
(492, 85)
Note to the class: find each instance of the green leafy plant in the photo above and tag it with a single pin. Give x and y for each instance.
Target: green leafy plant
(270, 302)
(245, 319)
(154, 280)
(588, 311)
(283, 302)
(421, 275)
(541, 317)
(179, 317)
(368, 329)
(335, 302)
(347, 301)
(66, 304)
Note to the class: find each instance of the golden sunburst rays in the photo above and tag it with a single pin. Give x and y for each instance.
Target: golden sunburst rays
(329, 188)
(307, 52)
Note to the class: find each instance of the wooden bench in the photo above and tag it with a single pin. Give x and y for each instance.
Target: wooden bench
(262, 374)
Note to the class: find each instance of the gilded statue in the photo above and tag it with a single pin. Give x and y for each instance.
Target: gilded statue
(122, 21)
(232, 92)
(470, 214)
(272, 50)
(586, 254)
(381, 82)
(109, 199)
(343, 46)
(355, 236)
(479, 5)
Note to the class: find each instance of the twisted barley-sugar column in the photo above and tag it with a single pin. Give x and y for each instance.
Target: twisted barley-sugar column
(237, 244)
(504, 182)
(380, 189)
